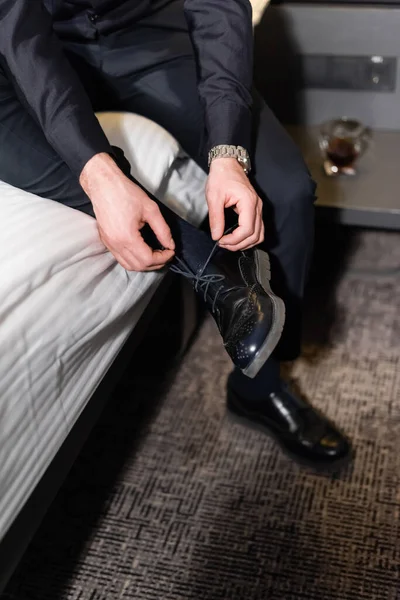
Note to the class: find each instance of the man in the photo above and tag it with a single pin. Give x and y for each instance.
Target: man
(186, 64)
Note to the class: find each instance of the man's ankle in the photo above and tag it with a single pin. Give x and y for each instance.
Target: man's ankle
(267, 381)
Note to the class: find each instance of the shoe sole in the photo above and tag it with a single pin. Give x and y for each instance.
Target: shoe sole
(278, 317)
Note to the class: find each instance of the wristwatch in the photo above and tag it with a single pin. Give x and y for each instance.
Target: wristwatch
(226, 151)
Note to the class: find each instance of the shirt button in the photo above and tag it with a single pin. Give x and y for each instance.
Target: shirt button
(93, 18)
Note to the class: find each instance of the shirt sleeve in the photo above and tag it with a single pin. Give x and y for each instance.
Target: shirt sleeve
(46, 83)
(222, 35)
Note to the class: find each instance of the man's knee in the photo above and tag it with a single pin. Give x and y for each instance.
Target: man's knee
(289, 215)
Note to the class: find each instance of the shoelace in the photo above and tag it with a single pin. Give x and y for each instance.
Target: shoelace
(203, 281)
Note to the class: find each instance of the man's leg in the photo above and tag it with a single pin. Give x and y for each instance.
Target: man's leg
(168, 95)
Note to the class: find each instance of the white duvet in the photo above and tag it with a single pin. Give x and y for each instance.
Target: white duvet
(66, 306)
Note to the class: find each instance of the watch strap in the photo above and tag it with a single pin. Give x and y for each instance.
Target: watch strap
(230, 151)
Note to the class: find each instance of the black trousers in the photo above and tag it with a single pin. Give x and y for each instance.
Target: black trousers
(152, 71)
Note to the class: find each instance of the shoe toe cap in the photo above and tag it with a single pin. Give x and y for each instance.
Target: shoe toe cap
(333, 446)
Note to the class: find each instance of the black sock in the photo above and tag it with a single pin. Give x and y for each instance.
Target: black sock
(266, 381)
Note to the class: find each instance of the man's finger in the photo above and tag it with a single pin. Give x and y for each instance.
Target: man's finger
(249, 242)
(217, 217)
(157, 261)
(247, 217)
(155, 267)
(158, 224)
(160, 258)
(142, 256)
(258, 229)
(123, 260)
(240, 234)
(262, 231)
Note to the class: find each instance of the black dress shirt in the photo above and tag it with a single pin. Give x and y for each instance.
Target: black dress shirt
(31, 55)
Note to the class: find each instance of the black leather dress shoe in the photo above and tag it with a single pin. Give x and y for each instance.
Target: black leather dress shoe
(306, 435)
(236, 289)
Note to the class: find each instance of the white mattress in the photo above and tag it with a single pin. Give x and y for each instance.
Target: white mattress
(66, 306)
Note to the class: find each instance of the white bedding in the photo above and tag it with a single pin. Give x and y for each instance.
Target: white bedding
(66, 306)
(259, 7)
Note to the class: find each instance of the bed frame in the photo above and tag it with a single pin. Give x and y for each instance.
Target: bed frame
(18, 537)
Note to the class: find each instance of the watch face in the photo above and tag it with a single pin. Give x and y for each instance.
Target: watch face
(245, 162)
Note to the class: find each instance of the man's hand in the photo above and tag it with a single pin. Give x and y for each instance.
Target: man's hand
(122, 209)
(229, 187)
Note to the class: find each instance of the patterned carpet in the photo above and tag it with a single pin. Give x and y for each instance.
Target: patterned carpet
(173, 501)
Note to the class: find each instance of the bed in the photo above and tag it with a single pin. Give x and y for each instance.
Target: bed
(67, 309)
